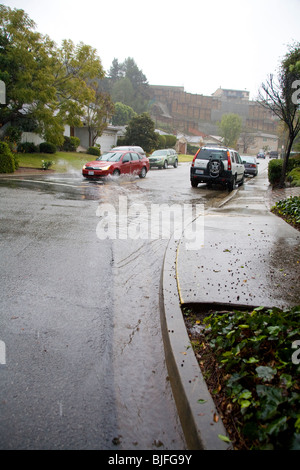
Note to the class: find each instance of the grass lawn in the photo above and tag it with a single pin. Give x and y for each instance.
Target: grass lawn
(185, 158)
(62, 161)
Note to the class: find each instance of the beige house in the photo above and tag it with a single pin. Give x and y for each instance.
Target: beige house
(259, 141)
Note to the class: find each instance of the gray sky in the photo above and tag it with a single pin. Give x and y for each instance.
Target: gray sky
(198, 44)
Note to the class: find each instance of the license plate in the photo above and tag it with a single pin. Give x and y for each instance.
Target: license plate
(199, 172)
(91, 173)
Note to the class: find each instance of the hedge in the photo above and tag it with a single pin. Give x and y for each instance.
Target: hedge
(275, 168)
(70, 144)
(93, 151)
(47, 147)
(27, 147)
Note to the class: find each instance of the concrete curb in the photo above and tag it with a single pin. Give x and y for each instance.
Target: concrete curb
(194, 403)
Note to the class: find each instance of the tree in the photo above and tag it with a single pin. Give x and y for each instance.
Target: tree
(45, 84)
(281, 97)
(230, 128)
(98, 114)
(129, 85)
(122, 115)
(123, 92)
(115, 71)
(141, 131)
(247, 138)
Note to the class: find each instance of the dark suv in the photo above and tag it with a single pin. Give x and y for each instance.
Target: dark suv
(217, 165)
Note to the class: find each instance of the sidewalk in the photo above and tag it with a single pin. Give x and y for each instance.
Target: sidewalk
(250, 258)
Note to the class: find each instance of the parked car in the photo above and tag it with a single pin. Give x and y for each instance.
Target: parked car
(261, 155)
(250, 165)
(217, 165)
(134, 148)
(116, 163)
(273, 154)
(163, 158)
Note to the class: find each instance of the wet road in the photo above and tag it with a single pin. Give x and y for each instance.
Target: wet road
(84, 365)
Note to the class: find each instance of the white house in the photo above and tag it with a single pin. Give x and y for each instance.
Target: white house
(107, 140)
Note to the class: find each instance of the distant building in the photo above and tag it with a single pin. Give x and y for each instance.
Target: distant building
(232, 94)
(191, 114)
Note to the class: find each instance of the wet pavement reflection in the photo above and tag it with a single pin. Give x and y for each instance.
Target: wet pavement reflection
(93, 355)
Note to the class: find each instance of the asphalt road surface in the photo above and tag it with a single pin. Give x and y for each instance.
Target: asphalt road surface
(84, 366)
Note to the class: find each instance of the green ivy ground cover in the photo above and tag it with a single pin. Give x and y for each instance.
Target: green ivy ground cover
(250, 361)
(289, 210)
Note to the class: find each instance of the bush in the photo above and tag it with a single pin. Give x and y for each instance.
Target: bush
(274, 171)
(294, 177)
(294, 162)
(191, 149)
(70, 144)
(47, 147)
(7, 161)
(13, 136)
(162, 141)
(93, 151)
(170, 141)
(289, 210)
(248, 362)
(27, 147)
(275, 168)
(46, 164)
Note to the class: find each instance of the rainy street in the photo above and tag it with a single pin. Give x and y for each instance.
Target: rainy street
(84, 364)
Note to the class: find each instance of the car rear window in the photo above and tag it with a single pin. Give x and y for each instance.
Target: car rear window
(207, 154)
(249, 159)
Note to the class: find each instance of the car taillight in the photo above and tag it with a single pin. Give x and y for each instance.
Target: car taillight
(195, 157)
(228, 160)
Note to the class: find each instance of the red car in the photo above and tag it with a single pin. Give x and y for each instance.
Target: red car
(117, 163)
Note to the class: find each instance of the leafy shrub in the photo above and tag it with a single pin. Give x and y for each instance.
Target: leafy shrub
(191, 150)
(294, 162)
(275, 168)
(46, 164)
(162, 141)
(47, 147)
(274, 171)
(13, 136)
(294, 177)
(260, 372)
(7, 161)
(70, 144)
(289, 210)
(93, 151)
(170, 140)
(27, 147)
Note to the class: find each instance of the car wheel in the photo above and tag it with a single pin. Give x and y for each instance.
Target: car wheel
(165, 164)
(231, 184)
(176, 164)
(143, 172)
(194, 183)
(242, 181)
(116, 173)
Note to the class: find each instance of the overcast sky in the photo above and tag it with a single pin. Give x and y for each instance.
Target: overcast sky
(200, 45)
